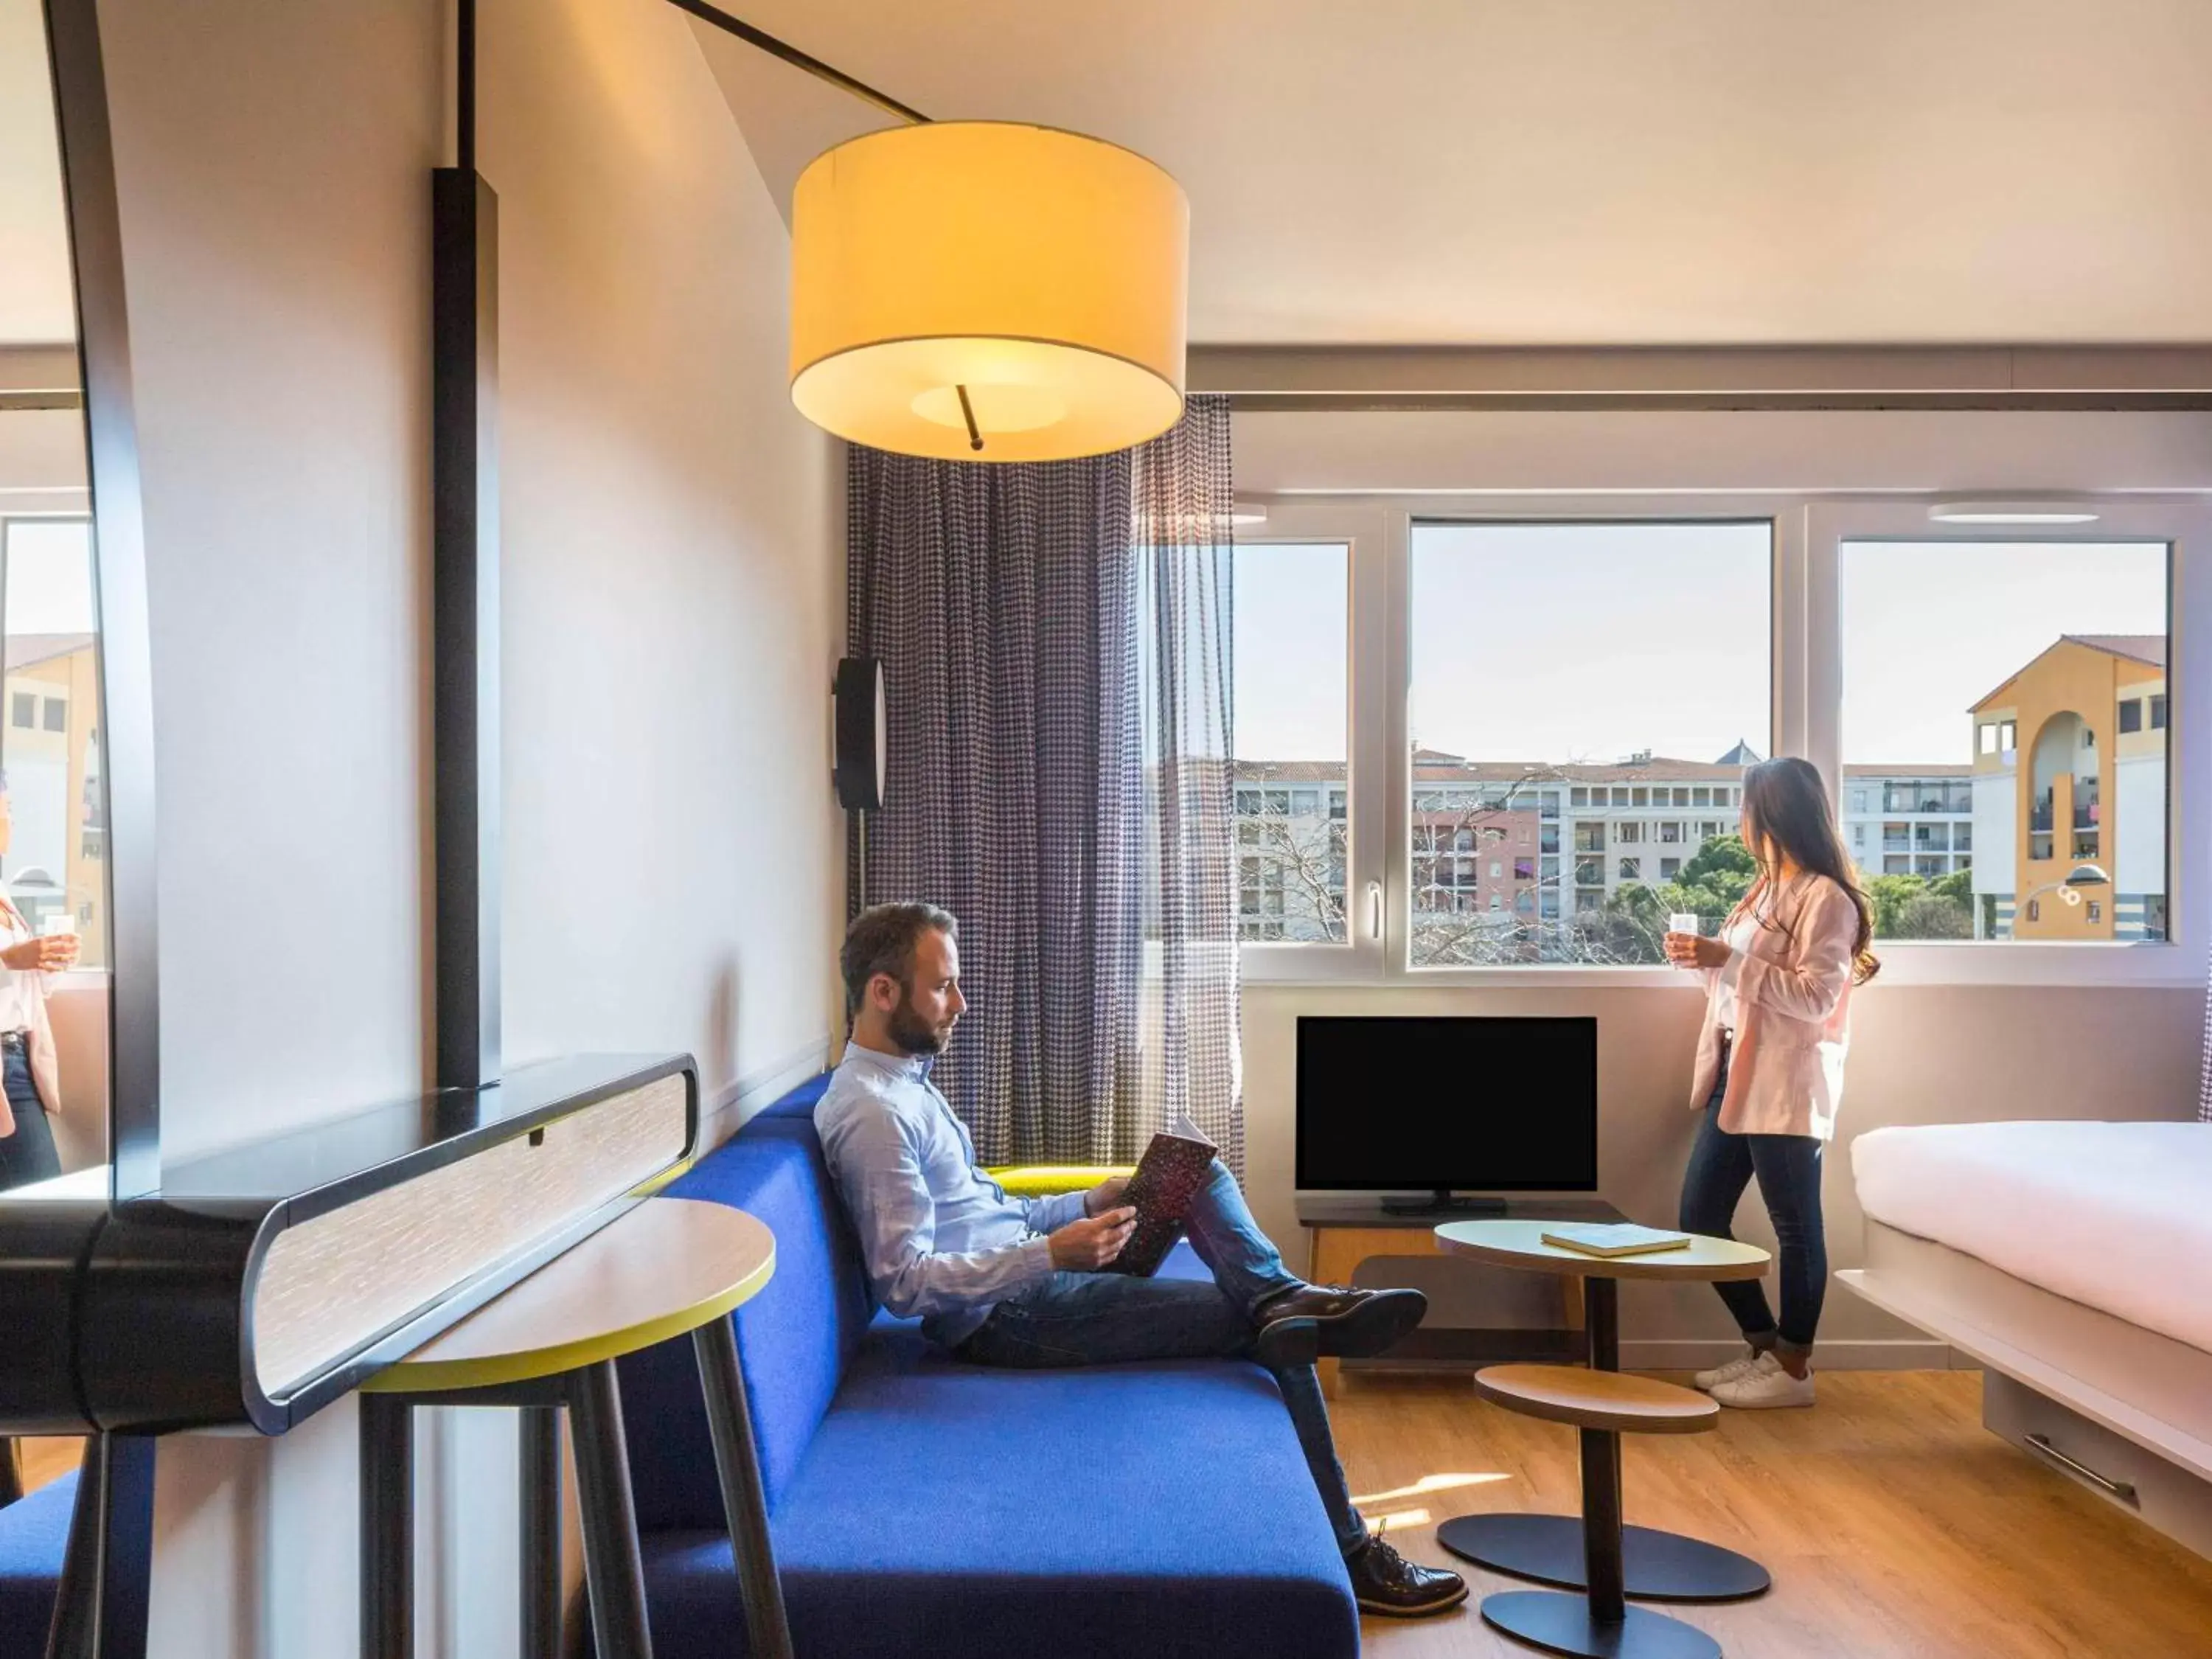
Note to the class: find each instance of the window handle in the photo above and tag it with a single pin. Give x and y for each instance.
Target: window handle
(1374, 909)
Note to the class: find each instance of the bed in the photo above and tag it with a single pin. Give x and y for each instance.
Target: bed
(2073, 1262)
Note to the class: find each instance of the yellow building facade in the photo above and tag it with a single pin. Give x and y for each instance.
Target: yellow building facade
(2069, 768)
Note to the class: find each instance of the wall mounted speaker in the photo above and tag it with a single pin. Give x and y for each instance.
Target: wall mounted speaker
(861, 732)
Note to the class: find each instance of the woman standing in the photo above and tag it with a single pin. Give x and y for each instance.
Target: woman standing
(1769, 1069)
(30, 1080)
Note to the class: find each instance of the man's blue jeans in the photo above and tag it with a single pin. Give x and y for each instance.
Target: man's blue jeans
(1103, 1319)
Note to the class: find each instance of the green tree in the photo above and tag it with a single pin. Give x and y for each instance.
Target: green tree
(1713, 880)
(1933, 916)
(1889, 895)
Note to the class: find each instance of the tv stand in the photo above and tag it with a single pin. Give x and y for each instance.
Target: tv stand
(1443, 1202)
(1345, 1230)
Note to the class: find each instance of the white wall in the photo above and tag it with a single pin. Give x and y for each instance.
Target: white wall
(1803, 450)
(1919, 1055)
(670, 617)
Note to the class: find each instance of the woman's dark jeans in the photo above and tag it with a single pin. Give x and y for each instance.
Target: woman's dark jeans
(1789, 1170)
(28, 1154)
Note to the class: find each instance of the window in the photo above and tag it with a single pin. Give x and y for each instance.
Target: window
(50, 748)
(1496, 869)
(1524, 869)
(1953, 653)
(1292, 687)
(1669, 868)
(1569, 688)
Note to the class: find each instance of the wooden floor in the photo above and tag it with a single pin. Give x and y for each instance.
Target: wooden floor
(1894, 1524)
(41, 1460)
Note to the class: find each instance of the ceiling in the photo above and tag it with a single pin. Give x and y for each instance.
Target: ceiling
(36, 301)
(1592, 172)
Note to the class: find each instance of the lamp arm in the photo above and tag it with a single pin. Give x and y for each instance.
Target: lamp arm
(792, 55)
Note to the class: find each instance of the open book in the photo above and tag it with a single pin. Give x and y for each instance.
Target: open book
(1175, 1166)
(1611, 1239)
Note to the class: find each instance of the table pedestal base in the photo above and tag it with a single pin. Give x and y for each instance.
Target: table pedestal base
(1561, 1623)
(1657, 1566)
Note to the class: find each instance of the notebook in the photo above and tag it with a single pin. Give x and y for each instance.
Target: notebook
(1610, 1239)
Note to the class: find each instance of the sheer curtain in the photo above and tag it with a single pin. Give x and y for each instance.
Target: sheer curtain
(1055, 642)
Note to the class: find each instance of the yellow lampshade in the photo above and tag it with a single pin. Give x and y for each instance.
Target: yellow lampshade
(1033, 280)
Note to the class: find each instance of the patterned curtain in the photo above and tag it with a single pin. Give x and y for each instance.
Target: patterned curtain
(1055, 642)
(2204, 1070)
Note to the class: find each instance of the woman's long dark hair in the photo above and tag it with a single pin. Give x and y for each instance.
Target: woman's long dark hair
(1786, 813)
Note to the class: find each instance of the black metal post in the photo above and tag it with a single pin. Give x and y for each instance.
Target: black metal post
(127, 694)
(612, 1570)
(465, 625)
(387, 1527)
(539, 1428)
(1601, 1322)
(715, 1345)
(1601, 1563)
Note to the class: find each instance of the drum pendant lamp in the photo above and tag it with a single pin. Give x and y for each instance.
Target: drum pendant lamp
(982, 290)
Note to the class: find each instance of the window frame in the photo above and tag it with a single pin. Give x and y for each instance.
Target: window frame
(1805, 717)
(1359, 959)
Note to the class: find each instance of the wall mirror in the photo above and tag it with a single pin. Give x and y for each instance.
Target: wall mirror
(68, 529)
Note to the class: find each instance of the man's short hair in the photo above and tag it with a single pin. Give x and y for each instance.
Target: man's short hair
(881, 940)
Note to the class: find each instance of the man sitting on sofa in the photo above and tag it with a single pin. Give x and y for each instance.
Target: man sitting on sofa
(1017, 1282)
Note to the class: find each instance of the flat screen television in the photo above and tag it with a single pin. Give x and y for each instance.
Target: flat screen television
(1444, 1105)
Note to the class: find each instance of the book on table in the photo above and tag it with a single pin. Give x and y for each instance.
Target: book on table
(1610, 1239)
(1178, 1162)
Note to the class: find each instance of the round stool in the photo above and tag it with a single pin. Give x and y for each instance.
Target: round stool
(1602, 1406)
(665, 1268)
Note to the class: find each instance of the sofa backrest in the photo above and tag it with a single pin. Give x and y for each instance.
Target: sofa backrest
(794, 1338)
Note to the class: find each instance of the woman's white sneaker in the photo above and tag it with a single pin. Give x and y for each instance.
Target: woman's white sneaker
(1766, 1386)
(1739, 1366)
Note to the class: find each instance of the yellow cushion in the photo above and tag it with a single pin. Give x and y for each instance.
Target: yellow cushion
(1041, 1180)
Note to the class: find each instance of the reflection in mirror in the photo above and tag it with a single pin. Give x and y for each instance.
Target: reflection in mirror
(54, 941)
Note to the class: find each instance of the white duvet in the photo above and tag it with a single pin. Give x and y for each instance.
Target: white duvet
(2115, 1215)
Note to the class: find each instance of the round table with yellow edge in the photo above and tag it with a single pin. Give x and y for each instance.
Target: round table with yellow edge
(1658, 1566)
(667, 1268)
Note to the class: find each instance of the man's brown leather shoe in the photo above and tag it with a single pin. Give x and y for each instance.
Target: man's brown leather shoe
(1334, 1322)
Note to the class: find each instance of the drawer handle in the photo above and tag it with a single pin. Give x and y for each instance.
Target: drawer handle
(2120, 1489)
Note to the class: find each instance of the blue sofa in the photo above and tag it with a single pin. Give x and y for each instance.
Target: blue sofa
(32, 1532)
(923, 1507)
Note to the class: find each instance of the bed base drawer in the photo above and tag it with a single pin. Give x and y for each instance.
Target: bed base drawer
(2118, 1470)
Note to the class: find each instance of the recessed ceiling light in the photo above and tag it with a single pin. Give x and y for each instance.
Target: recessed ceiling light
(2014, 510)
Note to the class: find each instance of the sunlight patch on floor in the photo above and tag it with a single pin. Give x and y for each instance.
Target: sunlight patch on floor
(1429, 1483)
(1400, 1520)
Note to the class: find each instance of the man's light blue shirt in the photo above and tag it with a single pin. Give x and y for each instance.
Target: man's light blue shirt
(941, 1239)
